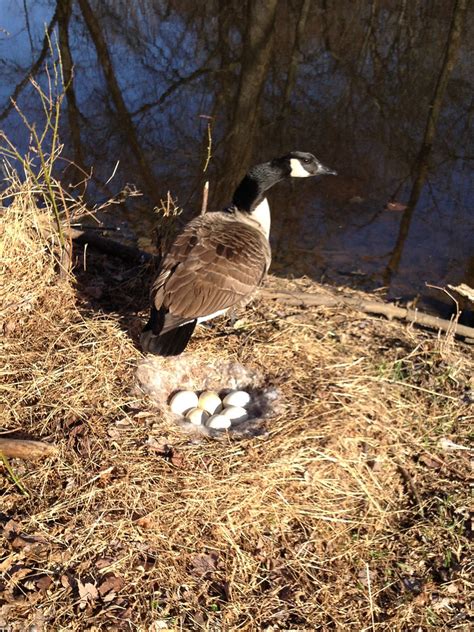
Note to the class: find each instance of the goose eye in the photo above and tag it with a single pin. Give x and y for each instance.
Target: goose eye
(306, 161)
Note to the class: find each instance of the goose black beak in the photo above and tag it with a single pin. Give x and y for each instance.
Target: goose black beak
(325, 171)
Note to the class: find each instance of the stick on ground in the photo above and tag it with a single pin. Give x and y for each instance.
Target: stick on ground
(26, 449)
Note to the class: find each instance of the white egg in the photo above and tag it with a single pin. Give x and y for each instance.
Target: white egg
(218, 422)
(210, 401)
(183, 401)
(237, 398)
(197, 416)
(235, 413)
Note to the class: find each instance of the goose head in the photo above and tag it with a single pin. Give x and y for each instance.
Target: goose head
(301, 164)
(297, 164)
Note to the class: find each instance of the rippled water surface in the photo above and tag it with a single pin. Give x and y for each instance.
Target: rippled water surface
(380, 90)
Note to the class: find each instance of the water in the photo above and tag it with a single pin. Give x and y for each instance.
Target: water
(381, 91)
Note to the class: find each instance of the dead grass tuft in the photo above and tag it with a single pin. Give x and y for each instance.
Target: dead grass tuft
(351, 513)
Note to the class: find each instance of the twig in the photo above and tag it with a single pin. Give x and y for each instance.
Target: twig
(373, 307)
(463, 290)
(25, 449)
(209, 147)
(205, 195)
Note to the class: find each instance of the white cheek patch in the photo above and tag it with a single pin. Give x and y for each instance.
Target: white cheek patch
(297, 169)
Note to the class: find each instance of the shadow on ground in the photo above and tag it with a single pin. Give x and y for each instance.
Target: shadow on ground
(106, 284)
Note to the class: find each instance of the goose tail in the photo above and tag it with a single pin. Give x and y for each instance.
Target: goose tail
(169, 343)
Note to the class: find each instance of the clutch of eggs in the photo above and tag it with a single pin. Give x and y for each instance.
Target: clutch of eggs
(209, 409)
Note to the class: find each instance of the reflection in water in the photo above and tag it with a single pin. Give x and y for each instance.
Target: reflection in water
(381, 90)
(420, 171)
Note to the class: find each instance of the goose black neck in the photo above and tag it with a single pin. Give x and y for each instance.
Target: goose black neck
(259, 179)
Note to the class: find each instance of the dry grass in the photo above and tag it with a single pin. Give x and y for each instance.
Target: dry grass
(350, 514)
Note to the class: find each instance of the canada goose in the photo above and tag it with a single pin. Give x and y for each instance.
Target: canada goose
(220, 258)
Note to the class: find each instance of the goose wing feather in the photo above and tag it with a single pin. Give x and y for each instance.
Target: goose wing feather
(214, 264)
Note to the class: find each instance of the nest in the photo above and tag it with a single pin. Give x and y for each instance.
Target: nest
(160, 378)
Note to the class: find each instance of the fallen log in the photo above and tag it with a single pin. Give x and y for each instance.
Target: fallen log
(108, 246)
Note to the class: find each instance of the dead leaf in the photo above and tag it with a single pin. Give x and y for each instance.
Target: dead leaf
(106, 475)
(103, 562)
(177, 459)
(9, 327)
(442, 604)
(204, 563)
(144, 414)
(126, 613)
(166, 451)
(160, 625)
(32, 545)
(43, 583)
(13, 580)
(124, 423)
(429, 462)
(110, 583)
(87, 594)
(158, 446)
(10, 528)
(18, 574)
(8, 562)
(109, 596)
(395, 206)
(66, 582)
(147, 522)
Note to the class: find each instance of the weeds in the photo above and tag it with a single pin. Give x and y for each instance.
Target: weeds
(44, 145)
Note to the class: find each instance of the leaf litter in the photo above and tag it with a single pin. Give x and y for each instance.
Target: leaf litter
(352, 506)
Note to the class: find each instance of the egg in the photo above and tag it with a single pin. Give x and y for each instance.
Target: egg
(183, 401)
(218, 422)
(237, 398)
(210, 402)
(197, 416)
(235, 413)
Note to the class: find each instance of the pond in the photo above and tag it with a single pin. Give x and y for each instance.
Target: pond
(164, 95)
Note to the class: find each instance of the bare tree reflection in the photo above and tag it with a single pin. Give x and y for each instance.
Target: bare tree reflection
(33, 69)
(124, 116)
(422, 160)
(242, 128)
(73, 114)
(295, 59)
